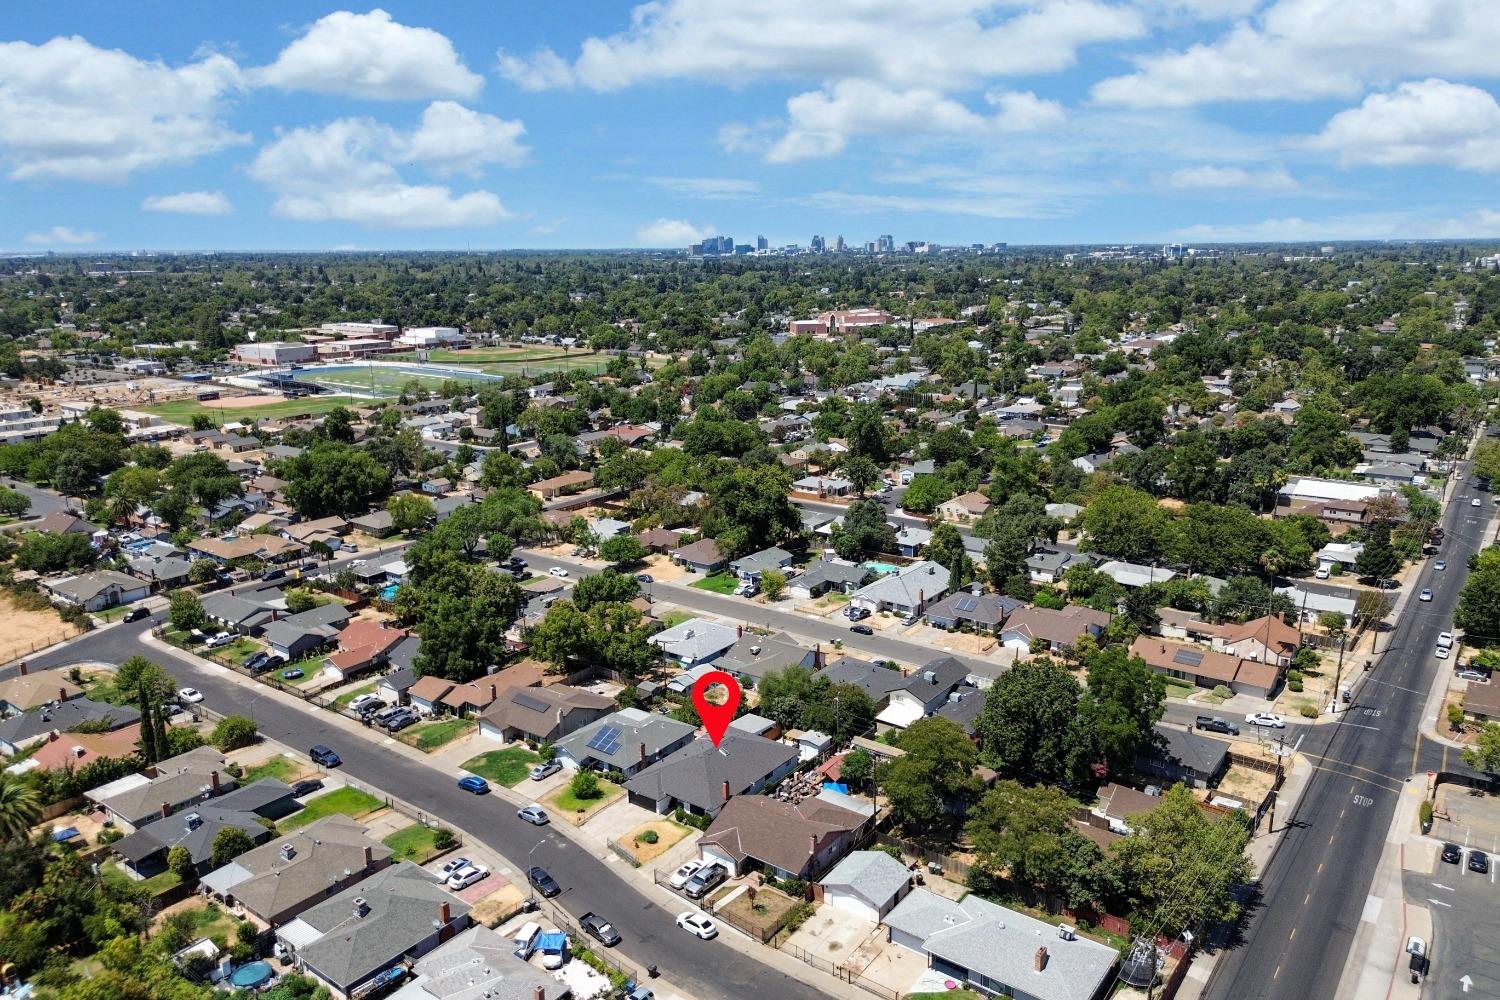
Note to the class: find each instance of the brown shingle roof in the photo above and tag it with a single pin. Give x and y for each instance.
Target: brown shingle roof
(776, 832)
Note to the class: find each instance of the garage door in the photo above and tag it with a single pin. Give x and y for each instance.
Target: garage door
(850, 904)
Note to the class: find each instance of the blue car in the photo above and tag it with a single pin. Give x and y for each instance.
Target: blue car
(291, 674)
(474, 783)
(324, 756)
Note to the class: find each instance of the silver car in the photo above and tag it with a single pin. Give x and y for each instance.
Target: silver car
(545, 769)
(533, 814)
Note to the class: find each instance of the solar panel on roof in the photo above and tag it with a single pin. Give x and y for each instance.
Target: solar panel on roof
(531, 701)
(606, 741)
(968, 603)
(1191, 657)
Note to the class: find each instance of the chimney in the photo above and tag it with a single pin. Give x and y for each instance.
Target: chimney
(812, 843)
(369, 855)
(213, 781)
(643, 752)
(539, 993)
(1039, 961)
(445, 914)
(62, 695)
(739, 631)
(726, 791)
(23, 668)
(492, 692)
(166, 809)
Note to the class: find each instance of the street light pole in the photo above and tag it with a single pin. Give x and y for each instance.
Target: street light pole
(531, 900)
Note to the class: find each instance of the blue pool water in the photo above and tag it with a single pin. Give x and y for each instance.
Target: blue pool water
(252, 975)
(388, 593)
(880, 567)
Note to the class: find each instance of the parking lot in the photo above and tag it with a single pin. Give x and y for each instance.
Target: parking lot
(1465, 905)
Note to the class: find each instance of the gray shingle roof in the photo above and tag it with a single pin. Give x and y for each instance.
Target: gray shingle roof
(66, 717)
(873, 876)
(637, 730)
(480, 965)
(696, 773)
(270, 884)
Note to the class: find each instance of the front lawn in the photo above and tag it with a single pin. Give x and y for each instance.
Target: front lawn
(415, 843)
(507, 767)
(674, 618)
(1176, 689)
(280, 767)
(719, 583)
(342, 701)
(346, 800)
(240, 650)
(309, 671)
(576, 810)
(113, 873)
(767, 912)
(430, 735)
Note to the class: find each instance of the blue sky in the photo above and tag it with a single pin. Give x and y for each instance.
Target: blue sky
(299, 126)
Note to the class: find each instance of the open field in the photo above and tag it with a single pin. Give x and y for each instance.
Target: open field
(221, 411)
(22, 631)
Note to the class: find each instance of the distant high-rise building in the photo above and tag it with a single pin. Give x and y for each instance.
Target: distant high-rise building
(761, 243)
(887, 244)
(742, 248)
(817, 245)
(838, 245)
(1174, 251)
(870, 247)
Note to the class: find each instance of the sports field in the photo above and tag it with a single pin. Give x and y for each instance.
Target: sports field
(182, 411)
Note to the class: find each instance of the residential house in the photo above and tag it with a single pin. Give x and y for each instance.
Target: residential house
(1001, 951)
(1207, 668)
(568, 482)
(30, 690)
(1341, 554)
(866, 884)
(187, 779)
(659, 539)
(395, 915)
(702, 556)
(694, 641)
(701, 778)
(1117, 804)
(266, 548)
(63, 522)
(910, 541)
(1056, 629)
(625, 742)
(305, 631)
(96, 591)
(474, 696)
(1179, 754)
(788, 840)
(965, 507)
(823, 486)
(145, 850)
(876, 681)
(21, 731)
(1047, 565)
(1482, 702)
(377, 523)
(1389, 474)
(160, 572)
(1312, 603)
(1313, 489)
(392, 687)
(427, 693)
(986, 612)
(828, 574)
(924, 693)
(1128, 574)
(363, 645)
(1268, 639)
(749, 568)
(963, 705)
(478, 964)
(542, 714)
(74, 751)
(245, 610)
(754, 656)
(281, 878)
(907, 591)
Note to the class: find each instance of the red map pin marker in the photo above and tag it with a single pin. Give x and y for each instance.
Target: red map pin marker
(716, 718)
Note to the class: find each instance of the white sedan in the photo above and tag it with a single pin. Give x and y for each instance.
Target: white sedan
(1425, 595)
(191, 695)
(1474, 502)
(1267, 719)
(697, 925)
(557, 571)
(680, 876)
(465, 877)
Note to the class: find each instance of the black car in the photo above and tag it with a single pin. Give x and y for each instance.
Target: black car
(273, 574)
(1452, 854)
(397, 722)
(516, 562)
(1479, 862)
(599, 929)
(307, 787)
(324, 756)
(644, 578)
(135, 615)
(862, 629)
(544, 883)
(1214, 724)
(258, 663)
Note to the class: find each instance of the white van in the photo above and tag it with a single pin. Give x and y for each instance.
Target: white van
(525, 939)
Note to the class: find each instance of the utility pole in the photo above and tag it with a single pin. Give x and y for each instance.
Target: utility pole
(1276, 791)
(1333, 704)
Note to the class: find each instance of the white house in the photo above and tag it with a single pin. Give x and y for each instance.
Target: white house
(904, 592)
(1345, 554)
(866, 884)
(694, 641)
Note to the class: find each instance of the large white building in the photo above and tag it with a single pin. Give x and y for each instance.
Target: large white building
(384, 331)
(273, 353)
(431, 336)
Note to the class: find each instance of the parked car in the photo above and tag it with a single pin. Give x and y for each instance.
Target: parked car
(1440, 565)
(1445, 639)
(220, 640)
(1322, 573)
(862, 629)
(292, 674)
(190, 695)
(544, 883)
(1267, 719)
(324, 756)
(1452, 854)
(704, 880)
(599, 929)
(1425, 595)
(273, 574)
(1441, 652)
(399, 721)
(466, 877)
(1470, 674)
(681, 875)
(697, 925)
(557, 571)
(171, 708)
(1479, 862)
(745, 590)
(545, 769)
(1475, 503)
(855, 613)
(525, 939)
(644, 578)
(136, 614)
(367, 703)
(533, 814)
(306, 787)
(256, 662)
(1214, 724)
(454, 865)
(474, 783)
(909, 618)
(554, 945)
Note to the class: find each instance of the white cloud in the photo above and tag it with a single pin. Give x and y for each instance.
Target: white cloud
(670, 233)
(189, 203)
(453, 138)
(719, 188)
(1208, 178)
(1428, 121)
(370, 55)
(71, 110)
(1023, 111)
(63, 236)
(1309, 49)
(343, 172)
(939, 43)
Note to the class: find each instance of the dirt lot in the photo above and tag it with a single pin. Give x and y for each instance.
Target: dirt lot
(668, 834)
(664, 570)
(22, 631)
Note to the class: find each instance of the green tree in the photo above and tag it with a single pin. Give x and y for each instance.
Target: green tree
(13, 503)
(862, 472)
(230, 843)
(1124, 523)
(409, 512)
(751, 509)
(180, 862)
(622, 550)
(936, 772)
(857, 768)
(53, 552)
(20, 806)
(1031, 723)
(1123, 702)
(925, 493)
(585, 786)
(1478, 610)
(232, 733)
(864, 532)
(1378, 559)
(1484, 755)
(332, 478)
(1028, 835)
(185, 613)
(608, 587)
(462, 612)
(773, 583)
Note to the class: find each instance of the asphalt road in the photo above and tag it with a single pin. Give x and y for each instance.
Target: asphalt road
(1466, 921)
(1316, 888)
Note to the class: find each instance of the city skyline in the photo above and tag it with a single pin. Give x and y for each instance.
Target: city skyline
(1069, 122)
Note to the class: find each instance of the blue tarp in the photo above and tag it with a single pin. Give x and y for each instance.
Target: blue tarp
(835, 786)
(67, 833)
(552, 942)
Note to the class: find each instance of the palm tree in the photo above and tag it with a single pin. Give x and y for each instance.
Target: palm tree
(20, 806)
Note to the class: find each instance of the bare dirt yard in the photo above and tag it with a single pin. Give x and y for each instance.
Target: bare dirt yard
(667, 832)
(23, 630)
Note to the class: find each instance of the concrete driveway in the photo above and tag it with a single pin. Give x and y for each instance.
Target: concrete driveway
(858, 946)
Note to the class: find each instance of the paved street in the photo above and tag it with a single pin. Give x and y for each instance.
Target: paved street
(1316, 888)
(1466, 914)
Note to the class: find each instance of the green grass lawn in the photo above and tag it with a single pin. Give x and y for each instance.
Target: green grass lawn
(113, 873)
(309, 668)
(506, 767)
(674, 618)
(565, 802)
(182, 411)
(946, 995)
(108, 614)
(214, 923)
(240, 650)
(281, 767)
(346, 800)
(431, 735)
(1176, 689)
(343, 700)
(414, 844)
(719, 583)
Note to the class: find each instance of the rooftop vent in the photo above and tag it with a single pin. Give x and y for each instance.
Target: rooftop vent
(288, 852)
(194, 821)
(361, 906)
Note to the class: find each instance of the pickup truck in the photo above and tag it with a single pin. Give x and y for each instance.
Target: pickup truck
(1214, 724)
(600, 929)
